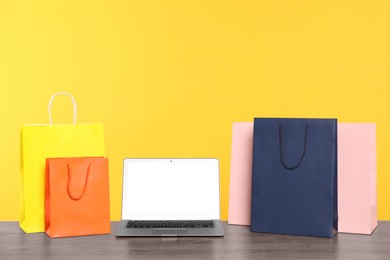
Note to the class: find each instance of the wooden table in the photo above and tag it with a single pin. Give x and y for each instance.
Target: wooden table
(238, 243)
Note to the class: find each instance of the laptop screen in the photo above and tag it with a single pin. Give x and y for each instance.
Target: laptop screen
(170, 189)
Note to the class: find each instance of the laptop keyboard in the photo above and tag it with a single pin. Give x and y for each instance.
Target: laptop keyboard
(170, 224)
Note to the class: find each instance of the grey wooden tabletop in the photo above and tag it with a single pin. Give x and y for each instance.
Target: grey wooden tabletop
(238, 243)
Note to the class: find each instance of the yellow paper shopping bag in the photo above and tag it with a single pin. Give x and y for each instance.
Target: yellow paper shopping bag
(39, 142)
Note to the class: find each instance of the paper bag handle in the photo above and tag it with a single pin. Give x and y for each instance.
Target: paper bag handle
(281, 150)
(70, 180)
(73, 101)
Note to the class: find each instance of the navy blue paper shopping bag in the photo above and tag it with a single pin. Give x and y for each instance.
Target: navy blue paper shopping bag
(294, 176)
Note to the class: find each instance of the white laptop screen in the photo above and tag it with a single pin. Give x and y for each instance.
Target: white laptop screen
(170, 189)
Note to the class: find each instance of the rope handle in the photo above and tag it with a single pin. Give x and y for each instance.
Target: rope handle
(281, 150)
(73, 101)
(70, 180)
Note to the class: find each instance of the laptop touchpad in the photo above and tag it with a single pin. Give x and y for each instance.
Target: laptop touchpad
(169, 231)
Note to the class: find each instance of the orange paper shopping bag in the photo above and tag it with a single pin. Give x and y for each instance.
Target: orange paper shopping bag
(77, 197)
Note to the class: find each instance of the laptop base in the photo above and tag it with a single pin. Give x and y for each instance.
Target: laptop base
(123, 231)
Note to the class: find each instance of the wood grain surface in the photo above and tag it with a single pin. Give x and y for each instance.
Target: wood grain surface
(238, 243)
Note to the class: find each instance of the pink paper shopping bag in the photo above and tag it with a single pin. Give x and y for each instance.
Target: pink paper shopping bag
(357, 206)
(241, 174)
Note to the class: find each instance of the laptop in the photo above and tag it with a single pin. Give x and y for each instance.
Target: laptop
(170, 197)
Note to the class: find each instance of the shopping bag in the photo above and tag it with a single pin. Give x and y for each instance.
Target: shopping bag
(294, 176)
(357, 178)
(241, 174)
(39, 142)
(77, 197)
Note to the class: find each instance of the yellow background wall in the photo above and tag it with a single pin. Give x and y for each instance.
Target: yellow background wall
(167, 78)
